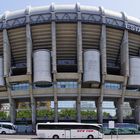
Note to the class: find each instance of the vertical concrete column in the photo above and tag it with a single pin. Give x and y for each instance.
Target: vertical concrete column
(7, 67)
(99, 102)
(99, 110)
(137, 111)
(103, 50)
(119, 112)
(103, 60)
(55, 102)
(33, 109)
(11, 102)
(124, 50)
(33, 106)
(6, 53)
(78, 108)
(6, 48)
(79, 61)
(12, 110)
(79, 40)
(29, 66)
(54, 66)
(125, 55)
(28, 44)
(53, 30)
(124, 62)
(78, 103)
(103, 44)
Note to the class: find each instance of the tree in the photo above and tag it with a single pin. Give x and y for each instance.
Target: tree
(106, 115)
(3, 115)
(45, 113)
(67, 113)
(24, 114)
(88, 114)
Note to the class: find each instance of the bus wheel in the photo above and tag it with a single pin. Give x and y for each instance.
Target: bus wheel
(90, 137)
(55, 137)
(3, 132)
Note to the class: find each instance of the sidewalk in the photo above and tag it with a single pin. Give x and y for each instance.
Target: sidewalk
(122, 137)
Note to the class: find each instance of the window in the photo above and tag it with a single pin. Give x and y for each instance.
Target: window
(66, 62)
(42, 85)
(67, 84)
(7, 126)
(112, 85)
(19, 86)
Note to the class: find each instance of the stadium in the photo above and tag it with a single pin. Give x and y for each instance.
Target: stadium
(58, 55)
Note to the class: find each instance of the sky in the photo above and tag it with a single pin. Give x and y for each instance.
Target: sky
(131, 7)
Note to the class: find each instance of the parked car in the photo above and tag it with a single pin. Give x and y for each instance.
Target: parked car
(7, 128)
(121, 131)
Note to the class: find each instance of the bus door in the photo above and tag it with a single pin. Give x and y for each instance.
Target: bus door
(68, 133)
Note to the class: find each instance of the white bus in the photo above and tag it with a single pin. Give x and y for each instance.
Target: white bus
(69, 130)
(7, 128)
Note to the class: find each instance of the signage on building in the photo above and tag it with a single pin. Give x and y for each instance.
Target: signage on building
(132, 27)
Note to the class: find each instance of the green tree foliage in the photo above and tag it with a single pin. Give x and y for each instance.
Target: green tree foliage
(24, 114)
(88, 114)
(70, 113)
(3, 115)
(106, 115)
(64, 113)
(45, 113)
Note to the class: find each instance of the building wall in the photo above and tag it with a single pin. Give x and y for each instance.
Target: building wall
(67, 35)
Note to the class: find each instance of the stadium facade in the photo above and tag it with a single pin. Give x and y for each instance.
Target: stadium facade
(96, 51)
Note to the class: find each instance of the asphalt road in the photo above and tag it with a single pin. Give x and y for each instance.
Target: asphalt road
(33, 137)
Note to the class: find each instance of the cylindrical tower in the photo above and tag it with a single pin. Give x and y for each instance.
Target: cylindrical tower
(42, 67)
(1, 72)
(134, 79)
(91, 66)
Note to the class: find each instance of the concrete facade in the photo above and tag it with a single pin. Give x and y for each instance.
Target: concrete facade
(67, 39)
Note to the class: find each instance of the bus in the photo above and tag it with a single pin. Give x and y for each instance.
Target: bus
(69, 130)
(7, 128)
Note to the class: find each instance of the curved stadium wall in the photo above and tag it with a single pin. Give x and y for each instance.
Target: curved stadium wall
(92, 47)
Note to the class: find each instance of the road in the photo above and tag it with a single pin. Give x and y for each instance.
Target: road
(33, 137)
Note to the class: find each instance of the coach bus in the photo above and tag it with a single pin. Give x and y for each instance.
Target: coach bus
(69, 130)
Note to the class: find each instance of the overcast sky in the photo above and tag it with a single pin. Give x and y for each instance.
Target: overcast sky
(131, 7)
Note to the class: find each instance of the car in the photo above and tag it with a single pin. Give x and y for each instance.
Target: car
(124, 131)
(7, 128)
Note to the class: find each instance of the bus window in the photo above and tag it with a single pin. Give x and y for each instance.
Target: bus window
(47, 127)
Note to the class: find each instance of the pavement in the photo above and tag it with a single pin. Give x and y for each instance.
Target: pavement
(34, 137)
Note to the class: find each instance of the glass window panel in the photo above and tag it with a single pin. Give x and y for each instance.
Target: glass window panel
(20, 86)
(66, 104)
(112, 85)
(108, 104)
(67, 84)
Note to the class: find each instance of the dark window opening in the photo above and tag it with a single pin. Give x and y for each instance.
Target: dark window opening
(18, 69)
(113, 68)
(67, 65)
